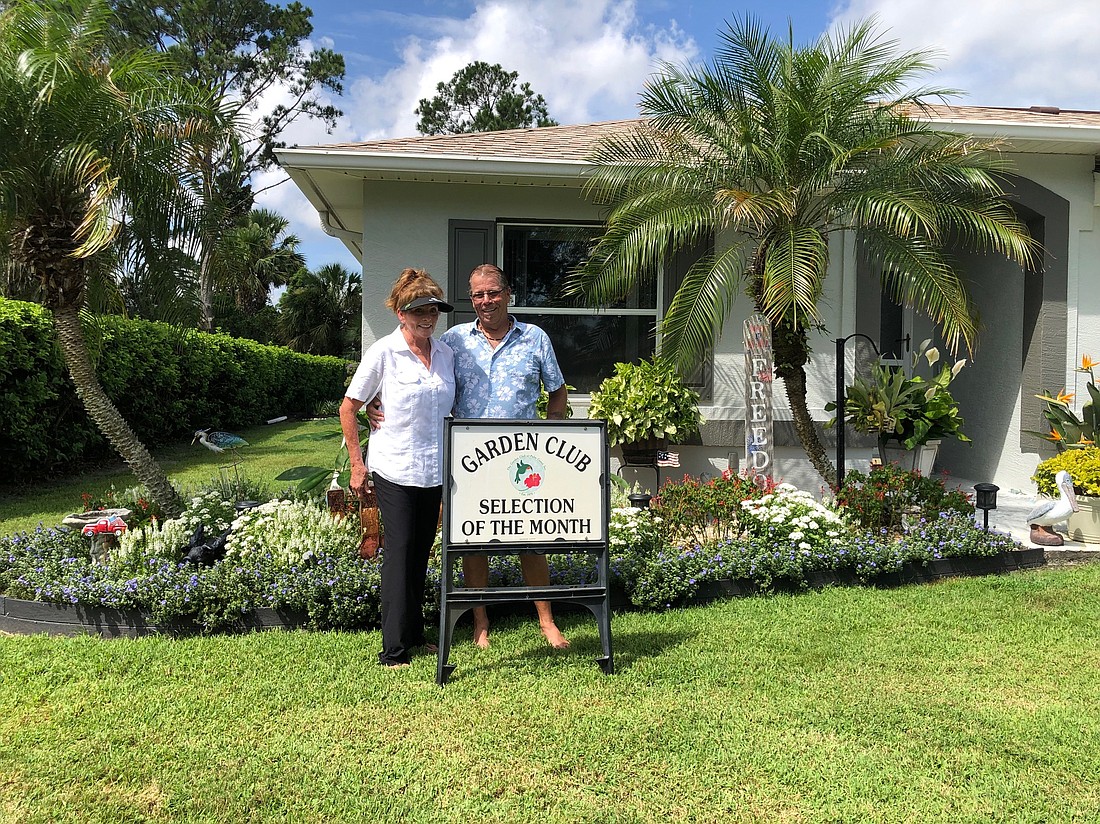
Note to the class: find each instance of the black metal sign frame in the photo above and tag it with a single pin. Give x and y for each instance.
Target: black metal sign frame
(521, 486)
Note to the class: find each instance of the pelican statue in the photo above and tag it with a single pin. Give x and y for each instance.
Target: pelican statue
(1048, 513)
(218, 441)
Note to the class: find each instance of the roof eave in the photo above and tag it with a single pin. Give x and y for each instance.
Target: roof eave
(1019, 134)
(408, 163)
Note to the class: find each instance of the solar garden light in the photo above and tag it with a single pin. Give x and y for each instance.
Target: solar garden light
(639, 500)
(986, 499)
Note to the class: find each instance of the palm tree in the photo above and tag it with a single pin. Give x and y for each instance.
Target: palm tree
(88, 136)
(775, 148)
(320, 312)
(259, 255)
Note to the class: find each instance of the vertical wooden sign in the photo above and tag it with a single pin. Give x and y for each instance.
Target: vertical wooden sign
(759, 451)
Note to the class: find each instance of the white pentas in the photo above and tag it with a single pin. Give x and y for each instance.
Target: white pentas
(791, 515)
(290, 531)
(629, 527)
(211, 510)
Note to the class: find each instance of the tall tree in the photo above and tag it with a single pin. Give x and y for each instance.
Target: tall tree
(321, 311)
(778, 147)
(89, 135)
(482, 98)
(242, 51)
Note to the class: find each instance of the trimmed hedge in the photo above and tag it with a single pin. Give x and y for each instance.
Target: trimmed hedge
(166, 382)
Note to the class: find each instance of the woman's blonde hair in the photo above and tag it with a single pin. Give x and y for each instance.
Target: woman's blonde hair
(410, 285)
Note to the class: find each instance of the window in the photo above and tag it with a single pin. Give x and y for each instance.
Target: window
(891, 330)
(538, 259)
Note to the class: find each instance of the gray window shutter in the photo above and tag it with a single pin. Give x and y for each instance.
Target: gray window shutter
(472, 242)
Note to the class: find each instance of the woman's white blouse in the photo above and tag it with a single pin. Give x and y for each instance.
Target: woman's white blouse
(408, 448)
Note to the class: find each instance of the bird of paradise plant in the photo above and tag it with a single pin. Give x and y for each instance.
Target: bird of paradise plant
(1066, 429)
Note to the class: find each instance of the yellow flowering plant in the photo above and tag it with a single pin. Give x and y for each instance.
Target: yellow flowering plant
(1083, 465)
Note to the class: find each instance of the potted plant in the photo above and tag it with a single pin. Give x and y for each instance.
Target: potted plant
(1076, 438)
(646, 406)
(909, 414)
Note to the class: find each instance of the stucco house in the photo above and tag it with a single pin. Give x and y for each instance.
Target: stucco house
(447, 203)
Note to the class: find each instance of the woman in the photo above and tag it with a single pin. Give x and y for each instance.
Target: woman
(414, 375)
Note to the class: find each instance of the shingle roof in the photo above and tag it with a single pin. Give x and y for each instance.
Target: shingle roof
(575, 143)
(549, 142)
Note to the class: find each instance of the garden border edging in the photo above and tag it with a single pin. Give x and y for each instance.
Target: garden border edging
(23, 617)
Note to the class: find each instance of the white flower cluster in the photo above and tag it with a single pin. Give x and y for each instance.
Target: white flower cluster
(291, 531)
(210, 509)
(805, 520)
(167, 539)
(151, 542)
(630, 527)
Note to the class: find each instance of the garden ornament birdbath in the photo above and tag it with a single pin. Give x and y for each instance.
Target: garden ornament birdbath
(103, 526)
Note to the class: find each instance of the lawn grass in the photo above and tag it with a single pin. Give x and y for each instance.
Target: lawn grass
(188, 466)
(967, 700)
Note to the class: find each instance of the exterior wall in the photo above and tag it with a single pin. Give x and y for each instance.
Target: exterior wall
(406, 224)
(996, 391)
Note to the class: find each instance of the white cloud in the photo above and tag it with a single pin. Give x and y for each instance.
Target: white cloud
(1001, 52)
(588, 58)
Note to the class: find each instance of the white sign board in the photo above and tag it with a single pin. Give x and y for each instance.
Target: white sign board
(526, 482)
(759, 449)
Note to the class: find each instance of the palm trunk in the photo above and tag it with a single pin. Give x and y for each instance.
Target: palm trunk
(106, 416)
(792, 351)
(805, 429)
(206, 287)
(206, 252)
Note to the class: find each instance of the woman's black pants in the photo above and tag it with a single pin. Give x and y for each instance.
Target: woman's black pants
(410, 515)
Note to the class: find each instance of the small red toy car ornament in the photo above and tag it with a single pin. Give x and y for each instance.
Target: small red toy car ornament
(112, 524)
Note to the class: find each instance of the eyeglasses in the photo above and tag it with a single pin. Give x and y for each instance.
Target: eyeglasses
(491, 294)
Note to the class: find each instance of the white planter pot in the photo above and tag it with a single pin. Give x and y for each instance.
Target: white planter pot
(1084, 525)
(921, 459)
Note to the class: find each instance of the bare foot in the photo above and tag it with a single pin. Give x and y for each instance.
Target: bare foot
(554, 636)
(397, 666)
(481, 635)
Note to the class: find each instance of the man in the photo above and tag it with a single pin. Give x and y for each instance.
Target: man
(501, 365)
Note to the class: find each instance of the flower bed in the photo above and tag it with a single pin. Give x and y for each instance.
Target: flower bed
(288, 563)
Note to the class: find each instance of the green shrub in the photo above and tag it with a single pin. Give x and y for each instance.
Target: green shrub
(646, 400)
(165, 381)
(695, 511)
(144, 510)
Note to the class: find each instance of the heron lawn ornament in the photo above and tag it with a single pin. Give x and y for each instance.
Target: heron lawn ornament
(1048, 513)
(218, 441)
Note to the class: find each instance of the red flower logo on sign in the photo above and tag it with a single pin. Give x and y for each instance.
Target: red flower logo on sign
(532, 480)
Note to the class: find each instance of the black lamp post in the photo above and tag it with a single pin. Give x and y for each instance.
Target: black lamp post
(639, 500)
(986, 495)
(840, 401)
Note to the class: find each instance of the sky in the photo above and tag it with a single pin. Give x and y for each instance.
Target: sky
(590, 58)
